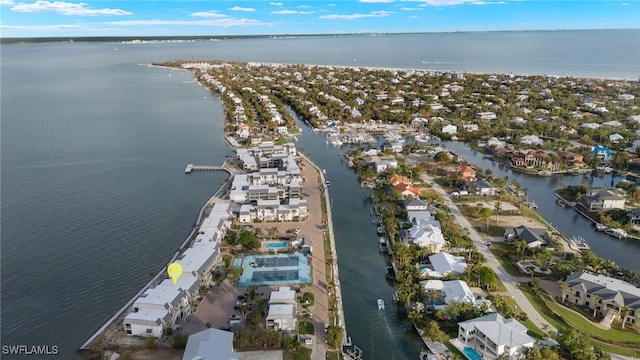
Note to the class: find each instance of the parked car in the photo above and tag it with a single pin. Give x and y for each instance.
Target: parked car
(235, 317)
(240, 304)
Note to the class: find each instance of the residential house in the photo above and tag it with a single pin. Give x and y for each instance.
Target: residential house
(572, 159)
(407, 190)
(590, 125)
(494, 142)
(425, 231)
(635, 145)
(284, 295)
(531, 140)
(486, 115)
(383, 165)
(443, 264)
(601, 199)
(532, 159)
(615, 138)
(602, 294)
(495, 335)
(470, 127)
(399, 179)
(242, 131)
(602, 152)
(533, 237)
(210, 344)
(281, 317)
(447, 292)
(466, 173)
(634, 217)
(480, 187)
(415, 205)
(450, 129)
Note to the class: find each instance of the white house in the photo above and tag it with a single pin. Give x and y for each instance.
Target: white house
(470, 127)
(147, 322)
(494, 142)
(210, 344)
(284, 295)
(486, 115)
(531, 140)
(281, 317)
(443, 264)
(635, 144)
(425, 231)
(602, 199)
(615, 138)
(495, 335)
(449, 129)
(448, 291)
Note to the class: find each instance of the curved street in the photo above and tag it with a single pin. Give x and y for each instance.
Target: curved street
(492, 262)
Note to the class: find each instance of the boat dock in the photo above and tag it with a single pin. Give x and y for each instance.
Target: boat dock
(192, 167)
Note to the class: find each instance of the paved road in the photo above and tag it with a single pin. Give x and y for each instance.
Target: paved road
(492, 262)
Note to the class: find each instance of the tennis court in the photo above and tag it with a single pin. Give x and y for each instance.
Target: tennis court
(286, 269)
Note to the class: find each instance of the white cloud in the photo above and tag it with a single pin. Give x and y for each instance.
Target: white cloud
(275, 3)
(409, 9)
(226, 22)
(238, 8)
(456, 2)
(292, 12)
(209, 14)
(377, 1)
(356, 16)
(66, 8)
(6, 2)
(331, 4)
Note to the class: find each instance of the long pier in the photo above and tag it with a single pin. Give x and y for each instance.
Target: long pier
(192, 167)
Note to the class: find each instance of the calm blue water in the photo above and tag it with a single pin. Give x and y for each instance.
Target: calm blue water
(94, 144)
(276, 244)
(472, 354)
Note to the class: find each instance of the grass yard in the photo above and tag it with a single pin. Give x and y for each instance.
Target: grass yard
(600, 337)
(500, 248)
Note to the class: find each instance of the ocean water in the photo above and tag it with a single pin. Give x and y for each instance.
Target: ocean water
(93, 145)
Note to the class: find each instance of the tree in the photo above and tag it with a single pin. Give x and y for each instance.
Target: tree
(249, 240)
(497, 208)
(488, 277)
(521, 246)
(434, 332)
(485, 213)
(254, 318)
(564, 288)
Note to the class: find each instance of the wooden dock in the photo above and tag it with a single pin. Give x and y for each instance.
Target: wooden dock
(192, 167)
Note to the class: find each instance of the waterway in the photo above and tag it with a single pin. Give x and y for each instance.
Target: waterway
(380, 334)
(567, 220)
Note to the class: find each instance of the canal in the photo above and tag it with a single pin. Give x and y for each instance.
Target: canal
(381, 334)
(540, 189)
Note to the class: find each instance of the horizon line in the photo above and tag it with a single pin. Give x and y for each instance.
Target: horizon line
(207, 37)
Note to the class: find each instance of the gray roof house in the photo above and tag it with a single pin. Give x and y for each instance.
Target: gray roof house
(210, 344)
(533, 237)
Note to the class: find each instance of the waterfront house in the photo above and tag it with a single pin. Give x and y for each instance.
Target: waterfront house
(425, 231)
(470, 127)
(602, 294)
(415, 205)
(242, 131)
(399, 179)
(281, 317)
(168, 303)
(480, 187)
(495, 335)
(443, 264)
(602, 152)
(146, 322)
(383, 165)
(210, 344)
(447, 292)
(450, 129)
(532, 159)
(634, 217)
(284, 295)
(407, 190)
(494, 142)
(601, 199)
(533, 237)
(572, 159)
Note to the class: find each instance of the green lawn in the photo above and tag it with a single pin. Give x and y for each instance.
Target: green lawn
(305, 327)
(333, 355)
(498, 248)
(600, 337)
(302, 354)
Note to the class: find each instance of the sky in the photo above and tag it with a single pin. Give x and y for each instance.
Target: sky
(43, 18)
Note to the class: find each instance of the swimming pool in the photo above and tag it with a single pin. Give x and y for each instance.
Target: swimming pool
(472, 354)
(286, 269)
(276, 244)
(425, 267)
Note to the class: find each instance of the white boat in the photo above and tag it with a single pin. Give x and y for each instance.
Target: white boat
(380, 230)
(423, 137)
(601, 227)
(380, 304)
(619, 233)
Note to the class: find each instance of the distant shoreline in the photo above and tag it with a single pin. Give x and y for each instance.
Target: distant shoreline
(178, 38)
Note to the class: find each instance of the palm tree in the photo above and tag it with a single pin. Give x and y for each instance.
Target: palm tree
(624, 311)
(564, 288)
(497, 208)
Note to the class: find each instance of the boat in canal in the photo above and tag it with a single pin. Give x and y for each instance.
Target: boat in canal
(380, 304)
(615, 232)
